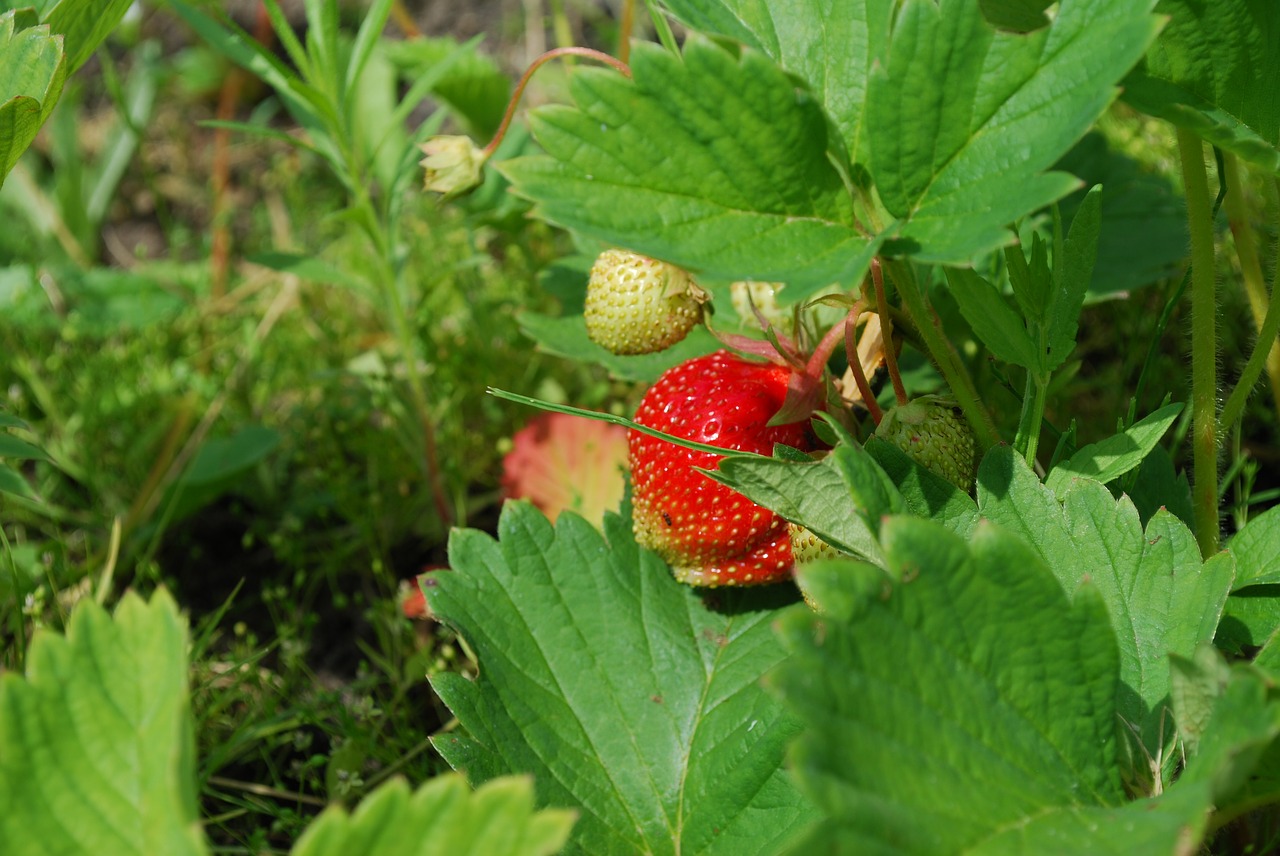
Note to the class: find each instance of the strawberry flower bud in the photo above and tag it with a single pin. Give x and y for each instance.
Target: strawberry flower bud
(453, 164)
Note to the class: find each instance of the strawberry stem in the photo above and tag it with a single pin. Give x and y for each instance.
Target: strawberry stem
(588, 53)
(943, 353)
(855, 365)
(886, 325)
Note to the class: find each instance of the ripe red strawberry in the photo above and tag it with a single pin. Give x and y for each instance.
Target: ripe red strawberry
(639, 305)
(709, 534)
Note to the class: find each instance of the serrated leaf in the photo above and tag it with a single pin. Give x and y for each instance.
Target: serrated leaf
(1020, 16)
(1257, 550)
(1161, 597)
(1143, 234)
(627, 695)
(567, 337)
(85, 24)
(32, 71)
(832, 45)
(1245, 721)
(926, 493)
(1108, 459)
(963, 120)
(1215, 70)
(1250, 619)
(1197, 682)
(442, 818)
(711, 161)
(841, 497)
(96, 748)
(926, 732)
(1073, 274)
(993, 320)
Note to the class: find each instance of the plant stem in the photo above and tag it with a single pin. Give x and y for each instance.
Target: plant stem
(528, 74)
(1251, 271)
(929, 326)
(1270, 329)
(1027, 439)
(1204, 346)
(886, 325)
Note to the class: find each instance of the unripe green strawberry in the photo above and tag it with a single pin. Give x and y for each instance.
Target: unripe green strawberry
(932, 430)
(639, 305)
(806, 548)
(750, 297)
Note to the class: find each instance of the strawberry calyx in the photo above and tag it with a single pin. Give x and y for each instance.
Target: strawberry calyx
(806, 386)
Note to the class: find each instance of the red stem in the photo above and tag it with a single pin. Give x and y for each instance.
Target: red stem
(588, 53)
(886, 328)
(855, 363)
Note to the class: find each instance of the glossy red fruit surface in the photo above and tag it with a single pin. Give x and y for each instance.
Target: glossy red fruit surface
(708, 534)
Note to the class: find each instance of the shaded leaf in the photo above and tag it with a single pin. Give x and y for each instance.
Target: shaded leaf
(993, 320)
(627, 695)
(1143, 235)
(1215, 70)
(1257, 550)
(1111, 458)
(567, 337)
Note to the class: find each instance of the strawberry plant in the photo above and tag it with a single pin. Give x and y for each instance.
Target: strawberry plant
(1017, 636)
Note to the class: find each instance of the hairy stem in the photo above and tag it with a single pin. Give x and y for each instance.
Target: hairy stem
(929, 326)
(1204, 345)
(1254, 284)
(1026, 441)
(1268, 332)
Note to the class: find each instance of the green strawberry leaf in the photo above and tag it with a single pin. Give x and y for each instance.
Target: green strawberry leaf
(96, 747)
(1143, 232)
(1250, 619)
(961, 115)
(1108, 459)
(1243, 724)
(926, 493)
(925, 734)
(1216, 71)
(1072, 275)
(709, 160)
(1257, 550)
(85, 24)
(993, 320)
(442, 817)
(1196, 684)
(831, 46)
(33, 68)
(627, 696)
(567, 337)
(1162, 598)
(841, 498)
